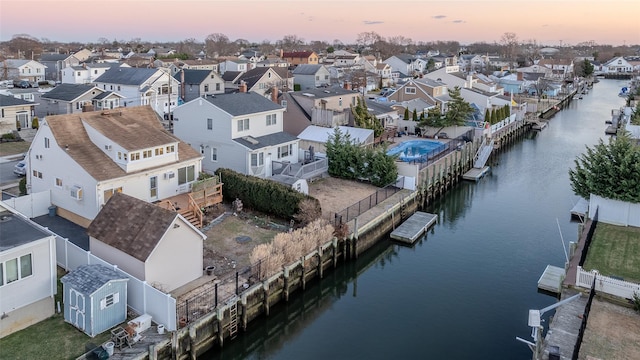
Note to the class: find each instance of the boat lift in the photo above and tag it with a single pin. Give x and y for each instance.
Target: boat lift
(535, 322)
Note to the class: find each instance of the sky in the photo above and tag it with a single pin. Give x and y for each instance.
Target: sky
(552, 23)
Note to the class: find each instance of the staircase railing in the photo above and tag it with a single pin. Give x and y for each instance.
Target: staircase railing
(193, 206)
(483, 155)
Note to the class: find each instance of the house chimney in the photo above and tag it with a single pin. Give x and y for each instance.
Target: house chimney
(242, 87)
(519, 76)
(182, 84)
(281, 53)
(347, 85)
(274, 94)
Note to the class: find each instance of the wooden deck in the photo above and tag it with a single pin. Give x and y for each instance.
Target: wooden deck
(138, 350)
(475, 174)
(551, 279)
(565, 325)
(412, 228)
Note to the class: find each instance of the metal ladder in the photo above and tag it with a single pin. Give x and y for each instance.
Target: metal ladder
(233, 320)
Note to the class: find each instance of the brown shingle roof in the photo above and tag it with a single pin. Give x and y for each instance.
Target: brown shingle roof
(297, 54)
(131, 225)
(133, 128)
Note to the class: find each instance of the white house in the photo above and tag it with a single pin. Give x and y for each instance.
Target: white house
(85, 73)
(402, 63)
(146, 241)
(311, 76)
(618, 65)
(27, 272)
(241, 131)
(141, 86)
(30, 70)
(83, 159)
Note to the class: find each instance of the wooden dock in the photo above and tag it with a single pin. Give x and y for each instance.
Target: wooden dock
(551, 279)
(580, 209)
(475, 174)
(410, 230)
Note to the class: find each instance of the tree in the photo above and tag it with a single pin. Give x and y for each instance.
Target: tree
(608, 170)
(406, 114)
(291, 42)
(216, 44)
(458, 112)
(415, 115)
(364, 119)
(588, 68)
(510, 42)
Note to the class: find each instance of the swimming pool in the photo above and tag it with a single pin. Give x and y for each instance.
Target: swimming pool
(417, 150)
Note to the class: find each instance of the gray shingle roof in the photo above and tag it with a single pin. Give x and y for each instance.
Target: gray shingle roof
(6, 100)
(193, 76)
(86, 279)
(126, 76)
(326, 92)
(252, 76)
(266, 140)
(306, 69)
(243, 103)
(69, 92)
(231, 75)
(53, 57)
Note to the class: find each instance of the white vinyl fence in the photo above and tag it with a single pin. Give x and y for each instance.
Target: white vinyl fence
(605, 284)
(141, 297)
(32, 205)
(614, 211)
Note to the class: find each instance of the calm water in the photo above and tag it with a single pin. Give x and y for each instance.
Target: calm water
(464, 290)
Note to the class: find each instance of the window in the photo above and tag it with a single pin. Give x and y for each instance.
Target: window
(109, 300)
(25, 266)
(271, 119)
(135, 156)
(285, 150)
(146, 154)
(16, 269)
(159, 151)
(95, 72)
(209, 124)
(214, 154)
(78, 73)
(12, 270)
(202, 149)
(186, 174)
(257, 159)
(409, 90)
(58, 182)
(283, 103)
(217, 86)
(109, 193)
(206, 88)
(37, 174)
(118, 87)
(171, 148)
(46, 143)
(243, 125)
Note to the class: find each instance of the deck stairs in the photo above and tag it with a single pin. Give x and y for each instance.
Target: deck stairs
(483, 154)
(233, 320)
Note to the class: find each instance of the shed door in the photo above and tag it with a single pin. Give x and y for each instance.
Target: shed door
(76, 309)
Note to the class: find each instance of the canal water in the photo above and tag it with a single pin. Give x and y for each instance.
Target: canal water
(464, 290)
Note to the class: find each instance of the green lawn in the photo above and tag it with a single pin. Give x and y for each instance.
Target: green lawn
(50, 339)
(615, 250)
(12, 148)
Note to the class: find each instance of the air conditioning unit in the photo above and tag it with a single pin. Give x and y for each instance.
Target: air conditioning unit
(76, 192)
(169, 175)
(107, 147)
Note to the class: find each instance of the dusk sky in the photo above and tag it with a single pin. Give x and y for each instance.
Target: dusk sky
(552, 23)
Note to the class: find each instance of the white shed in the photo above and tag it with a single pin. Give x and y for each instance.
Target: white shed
(294, 183)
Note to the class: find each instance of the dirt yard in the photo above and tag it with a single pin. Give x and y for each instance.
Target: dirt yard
(224, 249)
(613, 333)
(336, 194)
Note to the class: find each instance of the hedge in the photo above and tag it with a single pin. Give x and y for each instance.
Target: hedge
(262, 195)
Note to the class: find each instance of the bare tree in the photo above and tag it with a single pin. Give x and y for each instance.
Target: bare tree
(291, 42)
(24, 45)
(510, 42)
(216, 44)
(366, 40)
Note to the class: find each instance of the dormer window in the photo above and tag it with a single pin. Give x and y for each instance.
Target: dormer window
(146, 154)
(171, 148)
(159, 151)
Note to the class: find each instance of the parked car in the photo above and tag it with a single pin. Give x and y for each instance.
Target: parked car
(22, 84)
(20, 168)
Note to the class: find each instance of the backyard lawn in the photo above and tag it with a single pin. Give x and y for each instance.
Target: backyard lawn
(615, 251)
(49, 339)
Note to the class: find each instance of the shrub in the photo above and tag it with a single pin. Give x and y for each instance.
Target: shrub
(34, 123)
(297, 87)
(22, 186)
(8, 136)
